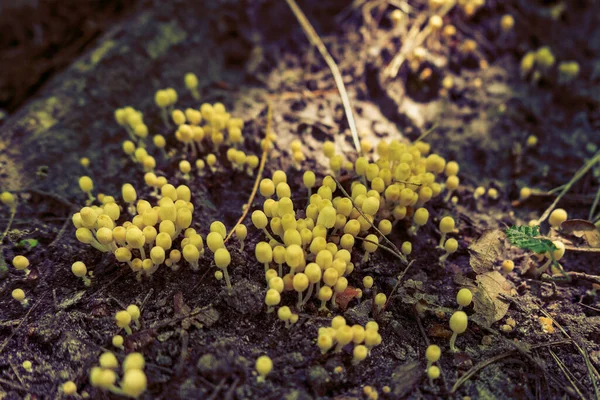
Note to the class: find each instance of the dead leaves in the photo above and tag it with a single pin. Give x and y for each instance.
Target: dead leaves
(488, 303)
(198, 317)
(486, 250)
(583, 231)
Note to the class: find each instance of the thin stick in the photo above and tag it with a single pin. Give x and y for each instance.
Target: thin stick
(389, 242)
(592, 372)
(566, 373)
(21, 323)
(10, 221)
(427, 132)
(263, 161)
(578, 175)
(594, 205)
(316, 41)
(499, 357)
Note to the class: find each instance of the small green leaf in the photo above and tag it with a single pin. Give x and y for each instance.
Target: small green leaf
(28, 243)
(529, 238)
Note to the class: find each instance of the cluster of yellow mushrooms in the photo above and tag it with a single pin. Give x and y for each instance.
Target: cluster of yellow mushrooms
(312, 240)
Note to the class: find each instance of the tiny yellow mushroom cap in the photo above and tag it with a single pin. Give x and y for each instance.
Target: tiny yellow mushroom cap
(18, 294)
(162, 98)
(284, 313)
(451, 245)
(421, 216)
(264, 365)
(452, 168)
(325, 342)
(524, 193)
(278, 177)
(370, 206)
(69, 388)
(313, 272)
(343, 335)
(20, 262)
(368, 282)
(507, 22)
(122, 318)
(358, 334)
(117, 341)
(406, 248)
(214, 241)
(134, 383)
(557, 217)
(560, 249)
(329, 149)
(325, 293)
(272, 298)
(259, 219)
(385, 226)
(267, 187)
(300, 282)
(86, 184)
(8, 199)
(433, 372)
(508, 265)
(372, 326)
(241, 232)
(222, 258)
(263, 252)
(458, 322)
(191, 80)
(371, 243)
(108, 360)
(380, 299)
(219, 227)
(157, 255)
(447, 224)
(79, 269)
(275, 282)
(309, 179)
(107, 378)
(191, 253)
(123, 254)
(338, 321)
(134, 361)
(464, 297)
(433, 353)
(134, 311)
(327, 217)
(27, 365)
(294, 255)
(359, 353)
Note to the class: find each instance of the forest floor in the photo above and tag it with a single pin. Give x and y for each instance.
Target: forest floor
(199, 340)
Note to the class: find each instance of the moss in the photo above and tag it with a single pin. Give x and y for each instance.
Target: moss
(168, 35)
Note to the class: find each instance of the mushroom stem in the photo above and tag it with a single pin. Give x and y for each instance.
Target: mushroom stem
(308, 293)
(442, 240)
(227, 280)
(453, 342)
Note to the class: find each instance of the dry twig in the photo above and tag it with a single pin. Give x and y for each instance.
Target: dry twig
(261, 169)
(316, 41)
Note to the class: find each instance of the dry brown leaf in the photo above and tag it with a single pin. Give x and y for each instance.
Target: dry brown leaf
(582, 229)
(487, 301)
(486, 250)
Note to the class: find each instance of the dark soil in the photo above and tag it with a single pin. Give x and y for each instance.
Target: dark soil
(251, 55)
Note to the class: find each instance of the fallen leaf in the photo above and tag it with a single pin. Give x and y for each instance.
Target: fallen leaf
(405, 378)
(342, 299)
(486, 250)
(439, 331)
(487, 301)
(582, 229)
(199, 317)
